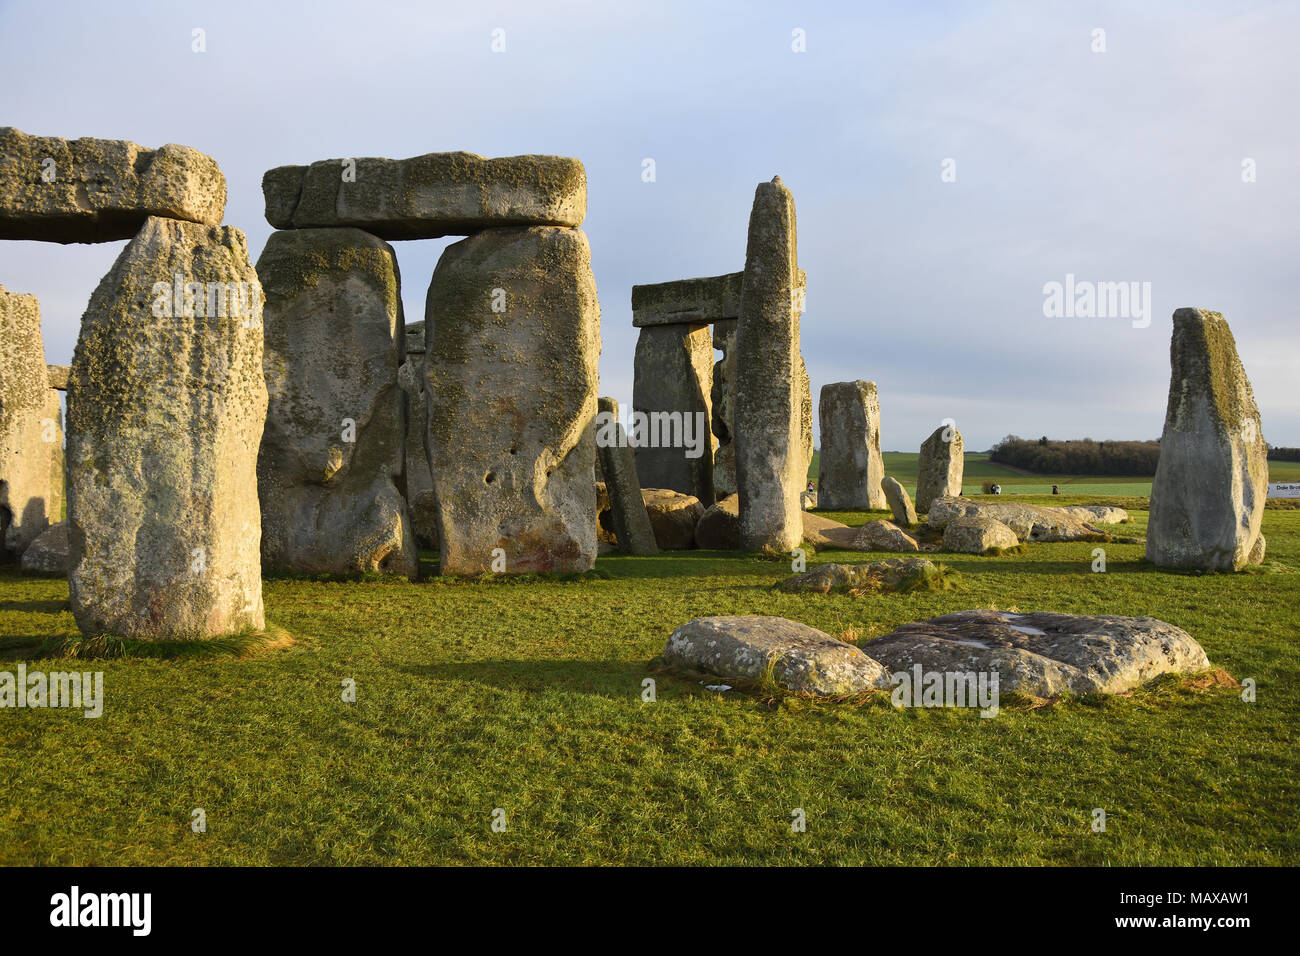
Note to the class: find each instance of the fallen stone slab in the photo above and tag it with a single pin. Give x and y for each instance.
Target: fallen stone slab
(1029, 522)
(899, 501)
(1043, 654)
(978, 535)
(797, 657)
(425, 197)
(101, 190)
(627, 507)
(895, 575)
(882, 535)
(1096, 514)
(700, 301)
(719, 527)
(673, 516)
(822, 532)
(1207, 498)
(165, 414)
(48, 554)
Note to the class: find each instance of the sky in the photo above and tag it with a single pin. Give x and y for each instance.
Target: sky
(948, 162)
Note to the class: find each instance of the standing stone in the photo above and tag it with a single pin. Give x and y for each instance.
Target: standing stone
(940, 466)
(769, 440)
(31, 429)
(420, 499)
(851, 468)
(900, 502)
(99, 190)
(166, 402)
(1207, 499)
(673, 377)
(804, 387)
(723, 400)
(512, 395)
(330, 468)
(626, 505)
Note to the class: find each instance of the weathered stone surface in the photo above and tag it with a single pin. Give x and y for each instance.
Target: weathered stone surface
(673, 516)
(99, 190)
(940, 466)
(420, 498)
(1258, 551)
(48, 554)
(618, 464)
(687, 301)
(330, 471)
(1028, 522)
(804, 388)
(673, 376)
(723, 397)
(58, 376)
(424, 197)
(894, 575)
(899, 501)
(1044, 654)
(977, 535)
(512, 398)
(606, 540)
(851, 467)
(881, 535)
(719, 527)
(808, 500)
(823, 532)
(31, 429)
(1207, 499)
(165, 415)
(1097, 514)
(770, 462)
(799, 658)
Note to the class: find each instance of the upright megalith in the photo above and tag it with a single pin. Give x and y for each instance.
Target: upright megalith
(770, 457)
(166, 401)
(31, 429)
(424, 197)
(419, 479)
(672, 381)
(900, 502)
(513, 339)
(723, 400)
(626, 505)
(1207, 499)
(330, 467)
(940, 466)
(99, 190)
(851, 468)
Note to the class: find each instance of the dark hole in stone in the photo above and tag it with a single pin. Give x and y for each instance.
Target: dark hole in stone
(490, 477)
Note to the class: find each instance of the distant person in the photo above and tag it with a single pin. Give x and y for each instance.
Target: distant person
(810, 484)
(1056, 489)
(997, 489)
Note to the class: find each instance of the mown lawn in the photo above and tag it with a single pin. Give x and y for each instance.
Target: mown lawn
(528, 697)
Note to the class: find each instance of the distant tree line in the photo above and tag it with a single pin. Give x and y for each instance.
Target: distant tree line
(1083, 457)
(1283, 454)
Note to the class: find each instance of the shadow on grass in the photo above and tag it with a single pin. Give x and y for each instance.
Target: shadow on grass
(36, 607)
(613, 679)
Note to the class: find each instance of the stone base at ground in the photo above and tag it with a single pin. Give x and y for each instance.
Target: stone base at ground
(1029, 522)
(1044, 654)
(876, 577)
(881, 535)
(48, 554)
(798, 658)
(673, 516)
(976, 535)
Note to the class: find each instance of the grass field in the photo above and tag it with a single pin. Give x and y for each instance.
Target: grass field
(527, 696)
(978, 469)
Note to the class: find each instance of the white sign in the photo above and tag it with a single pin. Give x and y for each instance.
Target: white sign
(1284, 489)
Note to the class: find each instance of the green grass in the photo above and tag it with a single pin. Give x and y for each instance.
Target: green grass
(527, 697)
(978, 469)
